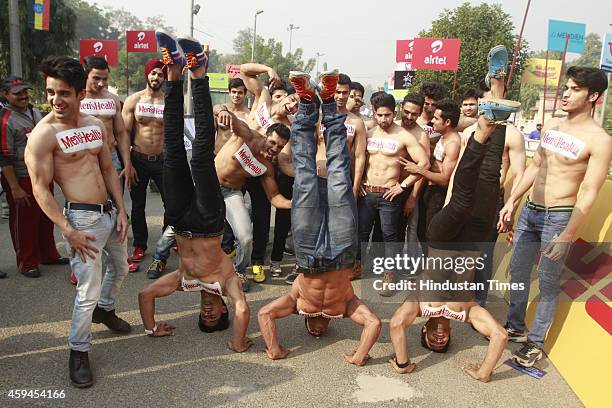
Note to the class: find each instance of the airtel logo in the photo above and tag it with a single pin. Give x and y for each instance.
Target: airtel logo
(141, 36)
(98, 46)
(436, 46)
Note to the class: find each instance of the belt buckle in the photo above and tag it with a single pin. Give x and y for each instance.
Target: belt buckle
(151, 157)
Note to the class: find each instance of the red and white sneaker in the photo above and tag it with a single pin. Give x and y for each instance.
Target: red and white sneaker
(133, 267)
(301, 83)
(329, 80)
(137, 255)
(73, 279)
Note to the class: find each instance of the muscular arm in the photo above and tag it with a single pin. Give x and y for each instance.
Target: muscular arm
(163, 286)
(267, 316)
(419, 156)
(109, 174)
(594, 178)
(285, 162)
(241, 312)
(516, 154)
(250, 73)
(268, 182)
(360, 156)
(486, 325)
(128, 113)
(39, 160)
(123, 145)
(448, 165)
(358, 312)
(239, 127)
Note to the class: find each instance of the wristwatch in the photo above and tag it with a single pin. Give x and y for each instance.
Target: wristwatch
(150, 332)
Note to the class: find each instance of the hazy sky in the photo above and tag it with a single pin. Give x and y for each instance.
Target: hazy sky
(354, 37)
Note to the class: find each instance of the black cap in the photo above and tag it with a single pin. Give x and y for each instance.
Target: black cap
(14, 84)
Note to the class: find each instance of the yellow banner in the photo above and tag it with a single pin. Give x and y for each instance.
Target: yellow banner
(218, 81)
(534, 71)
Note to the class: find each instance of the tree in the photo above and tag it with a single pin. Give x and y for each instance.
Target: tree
(592, 52)
(92, 22)
(270, 53)
(36, 45)
(480, 28)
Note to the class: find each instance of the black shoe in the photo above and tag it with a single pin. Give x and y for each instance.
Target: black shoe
(80, 372)
(291, 278)
(514, 336)
(110, 320)
(2, 275)
(528, 355)
(59, 261)
(156, 269)
(32, 273)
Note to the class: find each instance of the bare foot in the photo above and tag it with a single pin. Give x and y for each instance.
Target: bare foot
(406, 370)
(473, 371)
(350, 357)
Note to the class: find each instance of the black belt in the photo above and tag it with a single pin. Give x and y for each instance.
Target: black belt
(101, 208)
(557, 208)
(148, 157)
(323, 269)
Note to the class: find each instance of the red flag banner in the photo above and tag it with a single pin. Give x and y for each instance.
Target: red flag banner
(403, 50)
(438, 54)
(141, 41)
(108, 49)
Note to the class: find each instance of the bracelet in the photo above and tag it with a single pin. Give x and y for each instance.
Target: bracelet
(403, 365)
(150, 332)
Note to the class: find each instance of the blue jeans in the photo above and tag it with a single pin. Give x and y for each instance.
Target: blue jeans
(373, 205)
(323, 213)
(534, 230)
(239, 219)
(164, 244)
(92, 288)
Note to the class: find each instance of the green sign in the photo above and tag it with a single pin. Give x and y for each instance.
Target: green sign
(218, 80)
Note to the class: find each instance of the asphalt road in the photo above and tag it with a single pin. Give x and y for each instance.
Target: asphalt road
(193, 369)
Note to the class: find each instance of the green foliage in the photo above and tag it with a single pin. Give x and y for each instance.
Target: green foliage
(92, 23)
(36, 45)
(480, 28)
(529, 95)
(270, 53)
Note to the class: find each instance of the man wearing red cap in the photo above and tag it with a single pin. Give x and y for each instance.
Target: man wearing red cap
(31, 230)
(143, 117)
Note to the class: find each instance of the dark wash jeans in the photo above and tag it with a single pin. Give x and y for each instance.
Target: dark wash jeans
(372, 206)
(194, 204)
(145, 170)
(471, 211)
(324, 213)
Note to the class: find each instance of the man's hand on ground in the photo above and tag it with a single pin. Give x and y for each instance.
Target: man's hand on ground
(240, 347)
(354, 359)
(164, 329)
(277, 353)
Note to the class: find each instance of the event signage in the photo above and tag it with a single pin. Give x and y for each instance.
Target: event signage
(141, 41)
(535, 70)
(558, 30)
(438, 54)
(103, 48)
(606, 53)
(403, 51)
(403, 79)
(233, 71)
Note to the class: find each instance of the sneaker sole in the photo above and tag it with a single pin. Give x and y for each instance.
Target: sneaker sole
(82, 385)
(525, 363)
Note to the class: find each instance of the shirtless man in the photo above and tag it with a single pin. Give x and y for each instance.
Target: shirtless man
(371, 123)
(237, 105)
(574, 155)
(469, 109)
(382, 187)
(69, 148)
(453, 228)
(195, 206)
(143, 112)
(324, 230)
(445, 155)
(432, 91)
(355, 101)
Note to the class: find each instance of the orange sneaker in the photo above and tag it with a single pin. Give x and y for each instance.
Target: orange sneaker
(329, 80)
(301, 83)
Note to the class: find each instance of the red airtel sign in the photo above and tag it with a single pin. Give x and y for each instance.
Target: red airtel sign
(103, 48)
(403, 50)
(438, 54)
(141, 41)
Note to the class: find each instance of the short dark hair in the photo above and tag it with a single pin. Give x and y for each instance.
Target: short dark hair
(434, 90)
(414, 98)
(344, 79)
(222, 324)
(67, 69)
(357, 87)
(450, 110)
(280, 129)
(236, 83)
(282, 86)
(375, 95)
(471, 94)
(94, 62)
(424, 341)
(383, 100)
(591, 78)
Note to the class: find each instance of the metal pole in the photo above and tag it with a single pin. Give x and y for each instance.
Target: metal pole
(518, 47)
(318, 55)
(188, 101)
(567, 36)
(258, 12)
(290, 29)
(602, 117)
(544, 98)
(127, 73)
(15, 38)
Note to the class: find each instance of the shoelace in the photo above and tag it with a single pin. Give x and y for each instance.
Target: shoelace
(192, 61)
(166, 57)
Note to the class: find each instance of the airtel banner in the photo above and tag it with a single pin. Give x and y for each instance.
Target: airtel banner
(141, 41)
(438, 54)
(108, 49)
(403, 50)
